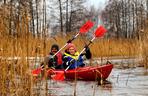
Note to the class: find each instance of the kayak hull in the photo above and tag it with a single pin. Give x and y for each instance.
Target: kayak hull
(89, 73)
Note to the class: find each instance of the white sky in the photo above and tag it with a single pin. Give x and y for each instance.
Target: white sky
(97, 3)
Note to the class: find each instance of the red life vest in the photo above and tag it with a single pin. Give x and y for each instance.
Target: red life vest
(59, 58)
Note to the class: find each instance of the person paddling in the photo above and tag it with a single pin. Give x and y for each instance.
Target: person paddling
(56, 61)
(72, 59)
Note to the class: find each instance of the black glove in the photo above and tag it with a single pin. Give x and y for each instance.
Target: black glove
(87, 49)
(65, 59)
(72, 61)
(52, 62)
(88, 53)
(51, 59)
(69, 41)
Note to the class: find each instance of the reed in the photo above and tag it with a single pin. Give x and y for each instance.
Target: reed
(15, 73)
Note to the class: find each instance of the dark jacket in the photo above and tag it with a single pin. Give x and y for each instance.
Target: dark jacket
(55, 61)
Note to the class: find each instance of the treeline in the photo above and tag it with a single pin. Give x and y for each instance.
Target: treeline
(126, 18)
(42, 18)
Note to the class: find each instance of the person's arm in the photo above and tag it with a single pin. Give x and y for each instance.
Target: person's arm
(52, 61)
(65, 61)
(88, 53)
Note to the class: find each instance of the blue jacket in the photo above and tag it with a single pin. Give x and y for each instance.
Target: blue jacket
(73, 61)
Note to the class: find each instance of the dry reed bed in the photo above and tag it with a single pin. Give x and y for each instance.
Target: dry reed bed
(15, 78)
(24, 47)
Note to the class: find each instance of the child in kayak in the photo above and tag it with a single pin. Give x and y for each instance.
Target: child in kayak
(72, 59)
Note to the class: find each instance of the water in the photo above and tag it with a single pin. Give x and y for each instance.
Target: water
(128, 82)
(121, 82)
(126, 79)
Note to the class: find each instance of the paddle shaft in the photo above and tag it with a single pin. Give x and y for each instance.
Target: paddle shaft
(98, 33)
(83, 29)
(66, 44)
(87, 45)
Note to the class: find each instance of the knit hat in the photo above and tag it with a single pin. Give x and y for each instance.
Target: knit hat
(70, 45)
(55, 46)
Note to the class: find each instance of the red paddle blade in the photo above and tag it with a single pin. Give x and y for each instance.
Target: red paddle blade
(86, 27)
(59, 76)
(100, 31)
(36, 72)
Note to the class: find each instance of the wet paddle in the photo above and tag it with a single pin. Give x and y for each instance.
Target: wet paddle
(100, 31)
(84, 29)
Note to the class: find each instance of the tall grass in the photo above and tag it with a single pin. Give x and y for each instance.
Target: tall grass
(100, 47)
(15, 75)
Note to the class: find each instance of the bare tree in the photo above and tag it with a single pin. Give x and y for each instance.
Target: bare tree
(70, 15)
(125, 17)
(67, 13)
(37, 17)
(147, 7)
(32, 17)
(61, 15)
(4, 1)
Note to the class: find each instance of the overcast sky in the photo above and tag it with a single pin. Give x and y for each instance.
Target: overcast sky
(97, 3)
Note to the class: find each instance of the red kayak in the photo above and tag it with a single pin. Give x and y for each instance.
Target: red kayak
(89, 73)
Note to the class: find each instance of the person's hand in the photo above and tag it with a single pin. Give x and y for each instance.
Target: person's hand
(69, 41)
(65, 58)
(87, 48)
(72, 61)
(50, 56)
(51, 60)
(88, 53)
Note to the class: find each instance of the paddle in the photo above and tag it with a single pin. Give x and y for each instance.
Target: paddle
(37, 71)
(83, 30)
(100, 31)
